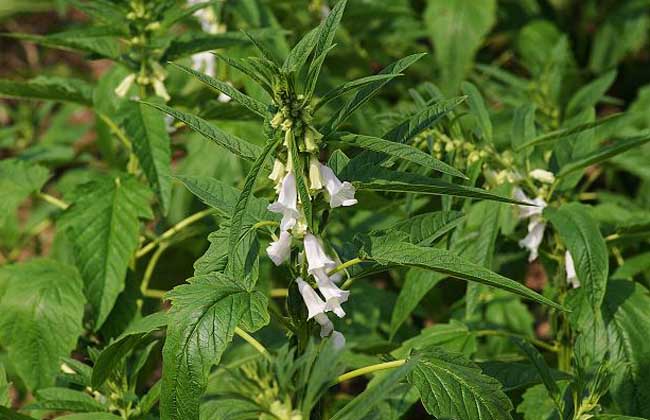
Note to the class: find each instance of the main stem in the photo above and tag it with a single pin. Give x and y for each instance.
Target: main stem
(253, 342)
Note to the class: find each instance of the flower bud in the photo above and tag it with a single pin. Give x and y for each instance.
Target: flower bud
(278, 118)
(542, 176)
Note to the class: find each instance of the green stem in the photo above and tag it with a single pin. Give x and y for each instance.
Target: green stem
(345, 265)
(148, 272)
(117, 131)
(173, 231)
(279, 293)
(369, 369)
(253, 342)
(53, 200)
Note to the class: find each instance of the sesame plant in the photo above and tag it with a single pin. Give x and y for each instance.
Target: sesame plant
(263, 228)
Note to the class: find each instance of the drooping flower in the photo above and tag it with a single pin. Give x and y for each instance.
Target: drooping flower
(571, 276)
(536, 225)
(317, 258)
(160, 90)
(287, 203)
(123, 88)
(542, 176)
(334, 296)
(340, 193)
(280, 250)
(315, 181)
(277, 174)
(316, 307)
(338, 340)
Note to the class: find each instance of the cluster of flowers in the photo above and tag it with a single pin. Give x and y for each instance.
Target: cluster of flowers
(299, 133)
(537, 226)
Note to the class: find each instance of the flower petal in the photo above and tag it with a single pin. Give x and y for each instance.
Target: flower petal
(280, 250)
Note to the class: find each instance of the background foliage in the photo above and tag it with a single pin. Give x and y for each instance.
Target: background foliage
(134, 281)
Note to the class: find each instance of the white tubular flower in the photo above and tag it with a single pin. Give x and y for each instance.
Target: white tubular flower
(280, 250)
(571, 276)
(326, 326)
(169, 124)
(315, 305)
(205, 62)
(333, 295)
(315, 181)
(287, 203)
(159, 88)
(534, 238)
(123, 88)
(542, 176)
(536, 225)
(277, 174)
(341, 193)
(317, 259)
(223, 98)
(338, 340)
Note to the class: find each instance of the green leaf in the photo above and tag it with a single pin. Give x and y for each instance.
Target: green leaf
(556, 135)
(197, 42)
(104, 226)
(426, 228)
(416, 285)
(374, 178)
(104, 11)
(235, 145)
(615, 417)
(515, 375)
(49, 88)
(326, 32)
(604, 153)
(9, 414)
(252, 104)
(41, 309)
(590, 94)
(223, 197)
(215, 257)
(90, 416)
(63, 399)
(300, 52)
(523, 126)
(151, 144)
(580, 233)
(543, 370)
(118, 349)
(538, 405)
(370, 90)
(237, 233)
(386, 251)
(247, 68)
(18, 179)
(453, 337)
(399, 150)
(352, 85)
(478, 108)
(203, 319)
(102, 40)
(423, 119)
(375, 393)
(301, 186)
(457, 29)
(452, 386)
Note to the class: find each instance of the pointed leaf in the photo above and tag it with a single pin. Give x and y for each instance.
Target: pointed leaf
(49, 88)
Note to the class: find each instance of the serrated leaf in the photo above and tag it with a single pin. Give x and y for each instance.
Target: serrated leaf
(237, 231)
(426, 228)
(457, 29)
(367, 92)
(351, 86)
(453, 337)
(580, 233)
(325, 36)
(215, 258)
(63, 399)
(538, 405)
(49, 88)
(374, 178)
(375, 393)
(235, 145)
(386, 251)
(197, 42)
(203, 319)
(515, 375)
(41, 309)
(249, 70)
(151, 144)
(104, 222)
(591, 93)
(399, 150)
(118, 349)
(416, 285)
(90, 416)
(18, 179)
(223, 197)
(452, 386)
(252, 104)
(102, 40)
(556, 135)
(604, 153)
(478, 108)
(422, 120)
